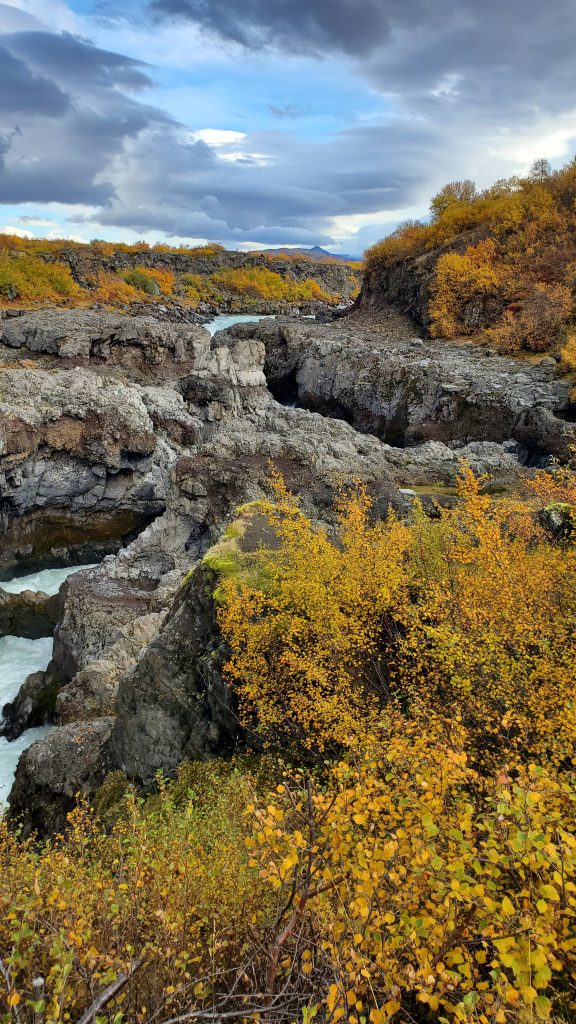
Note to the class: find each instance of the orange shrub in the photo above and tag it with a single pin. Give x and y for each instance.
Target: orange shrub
(112, 288)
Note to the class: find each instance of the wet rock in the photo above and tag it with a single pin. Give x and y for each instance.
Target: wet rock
(52, 773)
(35, 705)
(29, 614)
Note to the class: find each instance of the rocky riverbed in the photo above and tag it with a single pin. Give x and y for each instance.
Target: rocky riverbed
(130, 442)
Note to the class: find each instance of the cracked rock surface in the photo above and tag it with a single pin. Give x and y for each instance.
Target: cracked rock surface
(133, 445)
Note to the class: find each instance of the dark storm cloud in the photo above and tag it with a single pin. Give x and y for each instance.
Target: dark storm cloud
(71, 59)
(22, 91)
(72, 133)
(164, 182)
(461, 76)
(65, 113)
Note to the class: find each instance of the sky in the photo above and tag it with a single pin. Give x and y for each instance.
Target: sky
(258, 123)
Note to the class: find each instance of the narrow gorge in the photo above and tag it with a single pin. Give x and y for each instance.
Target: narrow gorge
(128, 443)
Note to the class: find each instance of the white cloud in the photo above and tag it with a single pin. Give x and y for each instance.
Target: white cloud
(217, 136)
(9, 229)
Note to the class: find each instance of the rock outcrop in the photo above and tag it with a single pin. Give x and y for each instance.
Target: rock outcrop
(159, 460)
(407, 391)
(87, 262)
(29, 614)
(141, 345)
(52, 772)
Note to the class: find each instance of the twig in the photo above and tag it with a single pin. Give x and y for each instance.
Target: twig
(109, 993)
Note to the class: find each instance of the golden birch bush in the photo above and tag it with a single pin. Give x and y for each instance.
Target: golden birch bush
(412, 855)
(529, 227)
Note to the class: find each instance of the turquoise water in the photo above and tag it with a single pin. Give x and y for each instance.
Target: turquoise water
(220, 323)
(18, 658)
(48, 581)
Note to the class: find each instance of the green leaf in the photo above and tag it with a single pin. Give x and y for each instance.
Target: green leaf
(543, 1007)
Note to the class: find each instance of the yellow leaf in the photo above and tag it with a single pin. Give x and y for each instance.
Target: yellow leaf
(508, 907)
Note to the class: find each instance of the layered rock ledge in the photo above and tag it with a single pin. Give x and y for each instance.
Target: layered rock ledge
(141, 452)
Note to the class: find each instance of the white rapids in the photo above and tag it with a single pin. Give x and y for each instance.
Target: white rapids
(20, 657)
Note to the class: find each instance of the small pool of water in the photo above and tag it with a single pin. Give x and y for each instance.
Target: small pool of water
(220, 323)
(20, 657)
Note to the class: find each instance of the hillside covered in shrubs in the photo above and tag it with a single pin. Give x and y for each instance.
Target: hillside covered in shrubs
(498, 263)
(42, 272)
(405, 846)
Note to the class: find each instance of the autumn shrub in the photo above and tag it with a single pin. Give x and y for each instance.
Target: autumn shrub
(26, 278)
(142, 280)
(165, 279)
(568, 352)
(166, 888)
(474, 611)
(110, 288)
(266, 284)
(530, 223)
(461, 280)
(410, 855)
(537, 321)
(427, 890)
(199, 288)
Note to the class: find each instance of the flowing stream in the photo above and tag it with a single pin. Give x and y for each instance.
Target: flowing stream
(20, 657)
(220, 323)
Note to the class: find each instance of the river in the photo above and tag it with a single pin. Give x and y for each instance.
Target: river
(220, 323)
(18, 658)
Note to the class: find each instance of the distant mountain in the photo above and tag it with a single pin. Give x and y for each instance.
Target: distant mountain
(316, 253)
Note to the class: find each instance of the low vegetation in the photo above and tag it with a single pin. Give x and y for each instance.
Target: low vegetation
(505, 259)
(35, 272)
(29, 279)
(262, 283)
(404, 849)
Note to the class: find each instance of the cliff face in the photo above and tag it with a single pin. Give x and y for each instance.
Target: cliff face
(85, 263)
(405, 284)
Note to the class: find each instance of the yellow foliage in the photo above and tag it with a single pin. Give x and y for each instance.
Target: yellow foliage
(402, 878)
(262, 283)
(474, 611)
(538, 320)
(167, 886)
(304, 647)
(423, 869)
(568, 352)
(531, 225)
(426, 885)
(111, 288)
(460, 279)
(26, 278)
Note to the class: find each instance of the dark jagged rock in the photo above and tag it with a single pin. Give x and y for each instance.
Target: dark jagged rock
(34, 705)
(29, 614)
(174, 705)
(405, 284)
(54, 771)
(137, 655)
